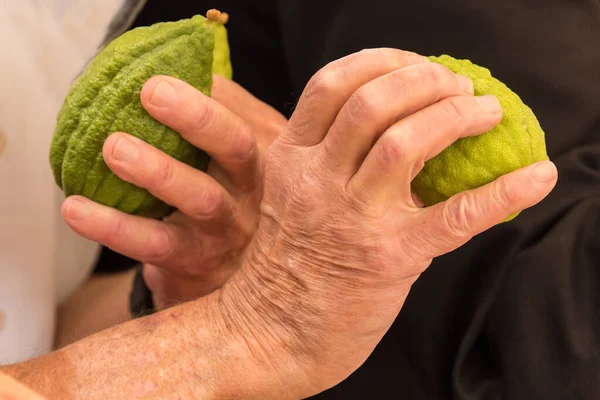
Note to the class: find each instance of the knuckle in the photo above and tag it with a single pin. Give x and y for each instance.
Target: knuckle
(164, 174)
(310, 179)
(204, 115)
(208, 202)
(435, 74)
(325, 83)
(160, 244)
(455, 111)
(395, 147)
(304, 191)
(242, 143)
(459, 215)
(362, 105)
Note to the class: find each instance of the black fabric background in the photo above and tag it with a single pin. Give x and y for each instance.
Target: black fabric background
(513, 314)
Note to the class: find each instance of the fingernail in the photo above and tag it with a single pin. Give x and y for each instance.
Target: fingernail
(163, 95)
(125, 150)
(490, 103)
(544, 171)
(77, 209)
(465, 83)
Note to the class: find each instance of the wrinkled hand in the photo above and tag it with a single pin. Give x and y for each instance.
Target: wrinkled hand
(340, 240)
(197, 248)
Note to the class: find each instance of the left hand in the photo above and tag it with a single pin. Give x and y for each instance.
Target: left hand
(196, 249)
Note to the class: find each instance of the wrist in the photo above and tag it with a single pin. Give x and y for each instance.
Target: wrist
(264, 315)
(278, 302)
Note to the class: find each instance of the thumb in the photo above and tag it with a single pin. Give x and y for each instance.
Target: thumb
(450, 224)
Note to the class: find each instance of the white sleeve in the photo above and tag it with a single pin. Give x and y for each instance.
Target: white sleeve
(45, 45)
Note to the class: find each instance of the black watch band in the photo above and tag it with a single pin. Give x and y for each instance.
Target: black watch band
(140, 298)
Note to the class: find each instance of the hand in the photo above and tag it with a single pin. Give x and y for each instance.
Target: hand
(338, 246)
(340, 240)
(11, 389)
(197, 248)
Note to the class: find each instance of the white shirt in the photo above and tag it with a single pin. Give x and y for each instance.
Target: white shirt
(44, 45)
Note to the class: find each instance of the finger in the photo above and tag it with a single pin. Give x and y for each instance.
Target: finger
(203, 122)
(193, 192)
(250, 109)
(330, 88)
(376, 105)
(400, 153)
(142, 239)
(448, 225)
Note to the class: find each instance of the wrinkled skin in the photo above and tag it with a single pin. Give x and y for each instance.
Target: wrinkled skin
(339, 240)
(199, 247)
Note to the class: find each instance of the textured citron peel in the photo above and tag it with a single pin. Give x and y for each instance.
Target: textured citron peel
(222, 57)
(516, 142)
(105, 98)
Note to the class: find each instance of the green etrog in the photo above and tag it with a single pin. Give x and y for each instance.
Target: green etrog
(105, 98)
(516, 142)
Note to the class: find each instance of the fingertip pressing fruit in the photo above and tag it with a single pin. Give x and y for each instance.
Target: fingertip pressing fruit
(516, 142)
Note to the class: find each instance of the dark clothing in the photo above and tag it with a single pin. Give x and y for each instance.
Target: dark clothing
(512, 314)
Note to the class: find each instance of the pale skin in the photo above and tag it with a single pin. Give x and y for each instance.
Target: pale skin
(339, 243)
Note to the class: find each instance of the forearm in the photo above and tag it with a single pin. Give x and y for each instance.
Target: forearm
(10, 389)
(101, 303)
(187, 351)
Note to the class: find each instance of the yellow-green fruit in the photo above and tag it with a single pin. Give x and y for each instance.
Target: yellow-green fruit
(222, 59)
(105, 98)
(517, 141)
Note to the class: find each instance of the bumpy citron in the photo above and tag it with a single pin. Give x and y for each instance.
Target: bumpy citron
(516, 142)
(105, 98)
(222, 59)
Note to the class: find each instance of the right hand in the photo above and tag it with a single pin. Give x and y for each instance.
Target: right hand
(340, 241)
